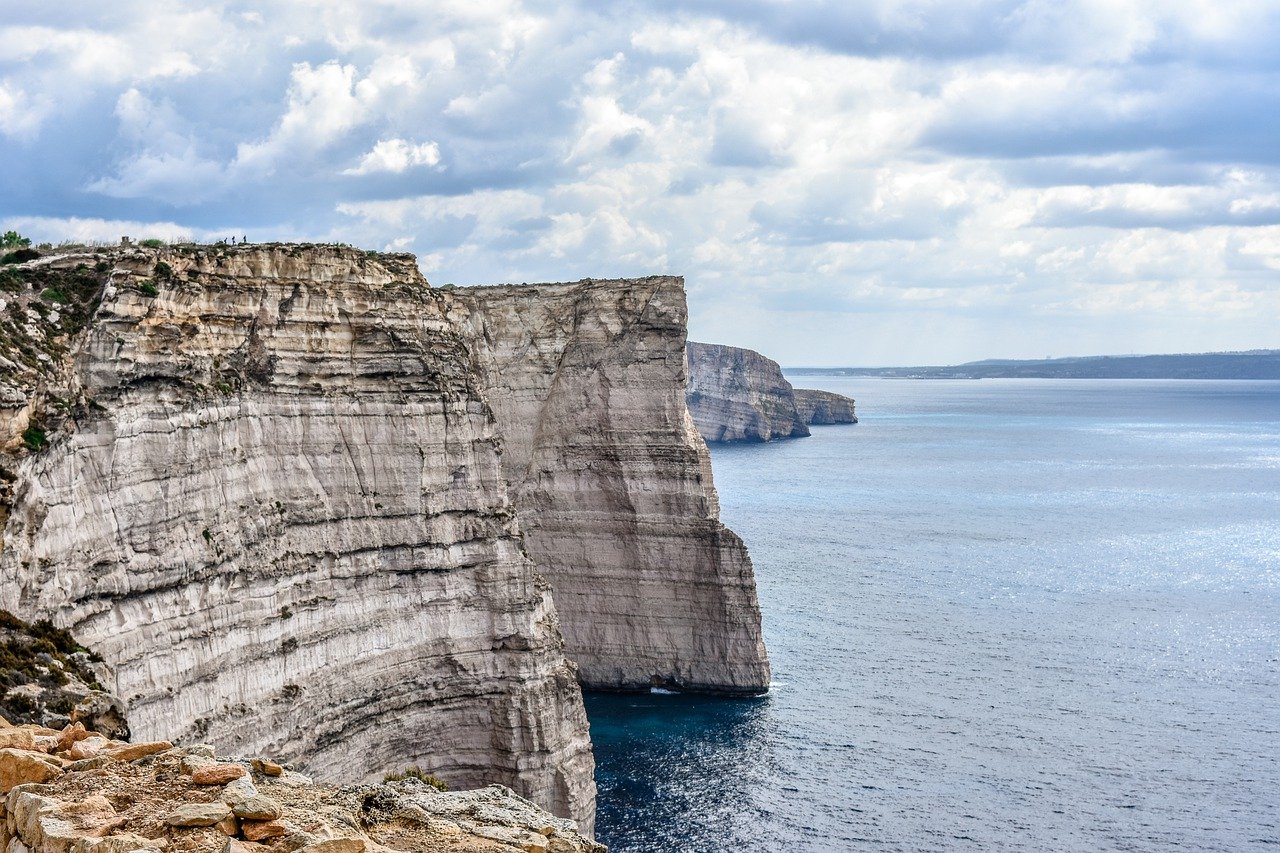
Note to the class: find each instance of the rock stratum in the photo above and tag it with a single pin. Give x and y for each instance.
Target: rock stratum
(613, 483)
(819, 408)
(290, 493)
(737, 394)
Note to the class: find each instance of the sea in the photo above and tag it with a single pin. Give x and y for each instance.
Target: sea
(1002, 615)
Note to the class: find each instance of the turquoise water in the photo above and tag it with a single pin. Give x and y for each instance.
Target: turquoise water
(1002, 614)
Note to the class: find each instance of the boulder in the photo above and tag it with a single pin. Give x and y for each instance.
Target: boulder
(19, 767)
(198, 814)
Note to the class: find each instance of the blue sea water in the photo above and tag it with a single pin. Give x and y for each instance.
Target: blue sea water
(1002, 615)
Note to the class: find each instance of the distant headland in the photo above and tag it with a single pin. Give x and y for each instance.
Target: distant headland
(1250, 364)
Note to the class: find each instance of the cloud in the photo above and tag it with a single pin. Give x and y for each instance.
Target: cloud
(1039, 173)
(396, 155)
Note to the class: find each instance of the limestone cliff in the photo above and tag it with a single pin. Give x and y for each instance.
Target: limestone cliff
(737, 394)
(613, 483)
(824, 407)
(293, 493)
(267, 489)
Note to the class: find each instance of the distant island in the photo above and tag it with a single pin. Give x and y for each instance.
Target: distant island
(1251, 364)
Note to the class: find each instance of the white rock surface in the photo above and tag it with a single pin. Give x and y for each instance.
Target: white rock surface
(284, 522)
(737, 394)
(613, 483)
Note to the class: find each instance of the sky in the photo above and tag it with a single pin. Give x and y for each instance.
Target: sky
(840, 183)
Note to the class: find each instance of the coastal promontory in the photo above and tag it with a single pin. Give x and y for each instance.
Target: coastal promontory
(294, 493)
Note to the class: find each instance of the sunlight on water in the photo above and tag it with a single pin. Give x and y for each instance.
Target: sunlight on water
(1024, 615)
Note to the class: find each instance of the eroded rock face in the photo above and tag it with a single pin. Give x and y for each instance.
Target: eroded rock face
(277, 508)
(737, 394)
(613, 483)
(824, 407)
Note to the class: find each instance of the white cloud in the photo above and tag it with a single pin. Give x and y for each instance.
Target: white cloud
(396, 155)
(818, 170)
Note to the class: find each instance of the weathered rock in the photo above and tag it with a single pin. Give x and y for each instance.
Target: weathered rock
(260, 830)
(737, 394)
(217, 774)
(198, 814)
(229, 825)
(16, 738)
(336, 845)
(345, 551)
(267, 768)
(235, 845)
(613, 484)
(73, 733)
(134, 751)
(824, 407)
(257, 808)
(87, 748)
(19, 767)
(103, 713)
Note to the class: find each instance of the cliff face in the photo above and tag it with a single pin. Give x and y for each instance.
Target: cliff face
(613, 483)
(737, 394)
(271, 497)
(824, 407)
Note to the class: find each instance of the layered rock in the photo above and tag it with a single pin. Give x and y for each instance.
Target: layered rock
(824, 407)
(76, 791)
(268, 490)
(613, 483)
(737, 394)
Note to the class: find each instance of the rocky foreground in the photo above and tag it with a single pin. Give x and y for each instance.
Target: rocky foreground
(75, 790)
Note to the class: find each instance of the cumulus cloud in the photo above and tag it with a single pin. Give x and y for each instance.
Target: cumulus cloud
(890, 181)
(396, 155)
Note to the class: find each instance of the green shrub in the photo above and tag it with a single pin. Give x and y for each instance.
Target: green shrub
(152, 243)
(54, 295)
(163, 271)
(14, 240)
(149, 288)
(34, 437)
(20, 256)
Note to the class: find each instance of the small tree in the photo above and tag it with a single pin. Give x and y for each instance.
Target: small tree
(14, 240)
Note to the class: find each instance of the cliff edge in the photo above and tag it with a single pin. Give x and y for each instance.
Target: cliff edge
(613, 483)
(819, 408)
(293, 492)
(268, 491)
(737, 394)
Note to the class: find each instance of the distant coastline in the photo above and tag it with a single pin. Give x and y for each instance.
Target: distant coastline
(1251, 364)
